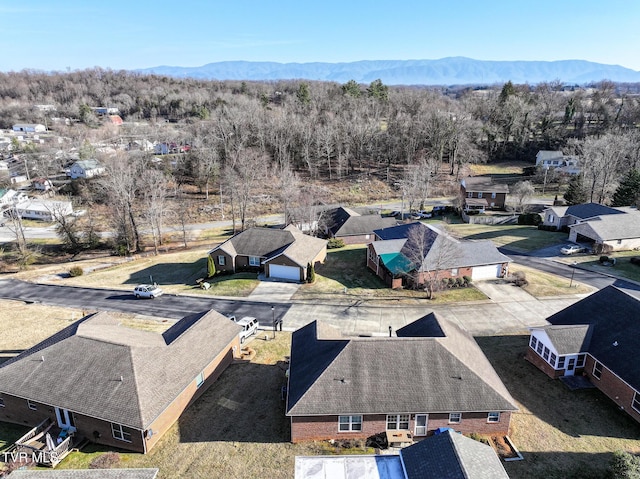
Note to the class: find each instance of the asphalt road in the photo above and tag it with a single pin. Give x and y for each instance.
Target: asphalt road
(166, 306)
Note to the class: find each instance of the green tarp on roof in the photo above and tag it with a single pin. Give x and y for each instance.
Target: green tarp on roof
(396, 263)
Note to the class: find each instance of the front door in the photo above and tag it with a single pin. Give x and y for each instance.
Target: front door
(571, 367)
(65, 419)
(421, 425)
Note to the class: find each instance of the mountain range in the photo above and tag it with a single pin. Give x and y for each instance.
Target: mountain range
(445, 71)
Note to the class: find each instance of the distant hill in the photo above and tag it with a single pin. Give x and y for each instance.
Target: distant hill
(446, 71)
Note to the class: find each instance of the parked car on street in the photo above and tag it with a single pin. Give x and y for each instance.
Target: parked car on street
(572, 249)
(147, 291)
(249, 326)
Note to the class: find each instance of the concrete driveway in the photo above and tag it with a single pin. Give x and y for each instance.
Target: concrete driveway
(274, 291)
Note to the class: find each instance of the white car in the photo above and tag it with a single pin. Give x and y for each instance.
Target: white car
(249, 326)
(147, 291)
(572, 249)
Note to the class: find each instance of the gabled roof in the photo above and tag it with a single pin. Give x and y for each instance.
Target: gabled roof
(88, 164)
(395, 232)
(590, 210)
(369, 375)
(544, 155)
(304, 249)
(569, 339)
(613, 317)
(483, 184)
(347, 222)
(100, 369)
(451, 455)
(611, 227)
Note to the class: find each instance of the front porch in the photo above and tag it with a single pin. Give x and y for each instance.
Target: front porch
(46, 444)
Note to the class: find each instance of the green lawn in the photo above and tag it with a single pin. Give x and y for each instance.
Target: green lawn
(543, 284)
(515, 237)
(623, 267)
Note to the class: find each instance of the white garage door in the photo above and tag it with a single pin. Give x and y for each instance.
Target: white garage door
(485, 272)
(284, 272)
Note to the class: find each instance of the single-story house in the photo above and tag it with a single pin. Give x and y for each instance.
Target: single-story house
(480, 193)
(561, 216)
(597, 337)
(558, 161)
(432, 374)
(86, 169)
(394, 256)
(609, 232)
(279, 253)
(41, 184)
(117, 386)
(353, 227)
(448, 455)
(44, 210)
(30, 127)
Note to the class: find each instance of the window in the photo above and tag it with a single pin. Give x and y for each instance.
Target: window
(493, 417)
(552, 359)
(367, 236)
(349, 423)
(581, 359)
(120, 432)
(32, 406)
(551, 219)
(200, 380)
(533, 342)
(597, 370)
(421, 425)
(540, 348)
(480, 194)
(455, 417)
(397, 421)
(635, 404)
(493, 196)
(221, 260)
(454, 272)
(254, 261)
(545, 354)
(470, 195)
(619, 241)
(561, 360)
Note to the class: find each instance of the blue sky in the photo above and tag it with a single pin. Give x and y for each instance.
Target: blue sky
(75, 34)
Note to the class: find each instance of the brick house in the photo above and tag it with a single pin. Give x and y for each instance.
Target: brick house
(431, 374)
(115, 386)
(597, 337)
(353, 227)
(392, 256)
(282, 254)
(480, 193)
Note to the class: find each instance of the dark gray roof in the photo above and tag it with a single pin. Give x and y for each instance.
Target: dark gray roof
(395, 232)
(569, 339)
(451, 456)
(589, 210)
(347, 222)
(369, 375)
(614, 320)
(425, 327)
(86, 474)
(101, 369)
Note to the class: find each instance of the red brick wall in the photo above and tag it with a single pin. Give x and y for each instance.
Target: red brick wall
(446, 273)
(314, 428)
(228, 264)
(535, 359)
(613, 387)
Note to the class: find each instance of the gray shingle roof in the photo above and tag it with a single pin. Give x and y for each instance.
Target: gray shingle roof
(569, 339)
(451, 456)
(614, 320)
(86, 474)
(370, 375)
(346, 222)
(589, 210)
(611, 227)
(100, 369)
(305, 248)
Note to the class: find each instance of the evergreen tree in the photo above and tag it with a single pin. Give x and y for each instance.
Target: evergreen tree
(311, 273)
(351, 88)
(576, 192)
(378, 90)
(211, 266)
(507, 90)
(628, 193)
(303, 95)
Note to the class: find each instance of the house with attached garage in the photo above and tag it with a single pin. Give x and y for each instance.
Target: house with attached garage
(565, 216)
(392, 256)
(278, 253)
(113, 385)
(353, 227)
(597, 337)
(481, 193)
(432, 374)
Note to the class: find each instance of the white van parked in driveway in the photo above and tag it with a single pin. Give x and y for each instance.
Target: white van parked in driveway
(249, 326)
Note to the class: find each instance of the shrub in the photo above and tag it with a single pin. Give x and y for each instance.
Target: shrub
(467, 279)
(311, 273)
(335, 243)
(533, 219)
(624, 466)
(76, 271)
(105, 461)
(635, 260)
(452, 282)
(603, 259)
(444, 282)
(520, 278)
